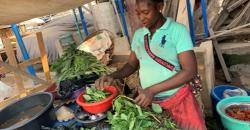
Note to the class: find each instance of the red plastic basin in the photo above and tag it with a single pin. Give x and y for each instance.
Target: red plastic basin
(98, 107)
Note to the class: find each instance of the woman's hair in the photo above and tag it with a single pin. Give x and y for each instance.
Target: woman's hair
(157, 1)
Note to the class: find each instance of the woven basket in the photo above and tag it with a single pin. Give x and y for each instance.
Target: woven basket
(133, 81)
(109, 52)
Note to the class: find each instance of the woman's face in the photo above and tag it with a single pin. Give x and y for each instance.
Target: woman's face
(147, 12)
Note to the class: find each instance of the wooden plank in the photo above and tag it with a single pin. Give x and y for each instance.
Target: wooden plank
(173, 12)
(227, 31)
(213, 10)
(221, 19)
(241, 32)
(166, 8)
(205, 59)
(236, 5)
(236, 21)
(13, 62)
(26, 63)
(24, 73)
(222, 35)
(216, 17)
(225, 3)
(1, 59)
(200, 57)
(40, 88)
(43, 53)
(182, 15)
(246, 17)
(8, 101)
(221, 59)
(3, 70)
(12, 99)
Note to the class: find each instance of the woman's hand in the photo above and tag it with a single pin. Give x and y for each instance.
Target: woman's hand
(104, 81)
(144, 98)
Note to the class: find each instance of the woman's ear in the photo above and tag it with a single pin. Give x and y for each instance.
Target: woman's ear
(160, 6)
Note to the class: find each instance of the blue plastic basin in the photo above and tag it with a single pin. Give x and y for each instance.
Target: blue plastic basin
(217, 93)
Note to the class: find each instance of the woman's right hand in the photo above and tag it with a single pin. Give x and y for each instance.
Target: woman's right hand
(104, 81)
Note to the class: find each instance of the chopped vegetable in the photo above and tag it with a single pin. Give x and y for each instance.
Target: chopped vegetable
(94, 95)
(129, 116)
(76, 64)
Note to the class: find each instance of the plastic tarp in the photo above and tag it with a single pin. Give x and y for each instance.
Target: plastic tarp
(15, 11)
(51, 33)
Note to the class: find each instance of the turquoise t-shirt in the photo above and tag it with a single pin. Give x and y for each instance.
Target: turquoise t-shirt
(167, 42)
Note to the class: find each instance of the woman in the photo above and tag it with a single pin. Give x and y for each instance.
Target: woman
(162, 50)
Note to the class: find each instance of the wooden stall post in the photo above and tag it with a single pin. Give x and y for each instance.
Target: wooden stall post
(13, 62)
(43, 53)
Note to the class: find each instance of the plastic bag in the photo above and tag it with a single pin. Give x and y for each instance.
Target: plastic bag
(235, 92)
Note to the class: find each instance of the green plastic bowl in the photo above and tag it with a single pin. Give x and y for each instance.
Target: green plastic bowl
(228, 122)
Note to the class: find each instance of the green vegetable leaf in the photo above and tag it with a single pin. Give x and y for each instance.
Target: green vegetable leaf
(132, 124)
(76, 64)
(139, 110)
(129, 116)
(118, 106)
(87, 98)
(156, 108)
(124, 117)
(89, 90)
(94, 95)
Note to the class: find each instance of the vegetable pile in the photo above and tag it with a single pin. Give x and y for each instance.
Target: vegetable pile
(129, 116)
(94, 95)
(75, 64)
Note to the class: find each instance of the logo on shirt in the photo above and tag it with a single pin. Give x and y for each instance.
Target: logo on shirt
(163, 41)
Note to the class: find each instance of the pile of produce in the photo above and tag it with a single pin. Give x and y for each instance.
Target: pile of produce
(129, 116)
(237, 112)
(94, 95)
(76, 64)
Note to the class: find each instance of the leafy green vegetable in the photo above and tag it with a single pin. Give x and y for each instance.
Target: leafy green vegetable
(75, 63)
(94, 95)
(94, 128)
(156, 108)
(129, 116)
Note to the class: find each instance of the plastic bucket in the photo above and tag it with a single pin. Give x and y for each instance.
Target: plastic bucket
(217, 93)
(228, 122)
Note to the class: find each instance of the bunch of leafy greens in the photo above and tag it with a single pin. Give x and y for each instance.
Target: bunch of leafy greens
(94, 95)
(129, 116)
(75, 64)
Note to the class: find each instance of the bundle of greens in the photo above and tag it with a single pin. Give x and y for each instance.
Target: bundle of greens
(75, 64)
(94, 95)
(129, 116)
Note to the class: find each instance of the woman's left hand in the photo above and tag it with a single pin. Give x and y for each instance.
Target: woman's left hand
(144, 97)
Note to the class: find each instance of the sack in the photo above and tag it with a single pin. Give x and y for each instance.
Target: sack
(195, 83)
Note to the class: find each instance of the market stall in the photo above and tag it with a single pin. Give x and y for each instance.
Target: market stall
(71, 101)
